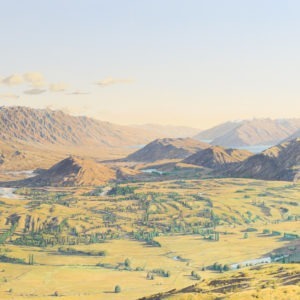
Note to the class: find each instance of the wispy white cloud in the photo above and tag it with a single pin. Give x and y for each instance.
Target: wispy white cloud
(58, 87)
(13, 79)
(112, 81)
(36, 79)
(78, 93)
(9, 96)
(34, 92)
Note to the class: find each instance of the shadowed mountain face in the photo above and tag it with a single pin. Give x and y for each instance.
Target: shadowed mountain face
(293, 136)
(72, 171)
(251, 132)
(217, 157)
(281, 162)
(160, 149)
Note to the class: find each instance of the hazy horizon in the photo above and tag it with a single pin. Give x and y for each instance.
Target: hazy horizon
(197, 64)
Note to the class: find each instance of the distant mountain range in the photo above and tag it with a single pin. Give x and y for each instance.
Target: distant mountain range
(38, 138)
(167, 148)
(28, 135)
(44, 126)
(250, 132)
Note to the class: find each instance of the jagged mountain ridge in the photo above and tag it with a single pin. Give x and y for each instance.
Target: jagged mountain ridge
(45, 126)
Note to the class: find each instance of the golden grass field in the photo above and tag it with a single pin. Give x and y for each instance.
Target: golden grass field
(237, 204)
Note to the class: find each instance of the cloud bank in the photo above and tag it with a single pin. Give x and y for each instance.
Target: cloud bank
(13, 79)
(36, 79)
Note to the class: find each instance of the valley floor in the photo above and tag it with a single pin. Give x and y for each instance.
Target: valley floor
(150, 238)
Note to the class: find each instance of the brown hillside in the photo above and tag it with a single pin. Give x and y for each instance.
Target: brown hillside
(217, 157)
(168, 148)
(72, 171)
(281, 162)
(45, 126)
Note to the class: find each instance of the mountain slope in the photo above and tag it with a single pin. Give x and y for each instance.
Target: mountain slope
(217, 157)
(44, 126)
(72, 171)
(281, 162)
(216, 131)
(40, 137)
(176, 148)
(252, 132)
(293, 136)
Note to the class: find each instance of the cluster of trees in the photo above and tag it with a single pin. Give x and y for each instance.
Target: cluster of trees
(221, 268)
(147, 237)
(96, 192)
(30, 259)
(161, 272)
(72, 251)
(4, 236)
(214, 236)
(122, 190)
(12, 260)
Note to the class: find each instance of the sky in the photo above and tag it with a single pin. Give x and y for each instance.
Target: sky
(194, 62)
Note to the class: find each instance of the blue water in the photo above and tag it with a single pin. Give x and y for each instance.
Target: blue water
(255, 149)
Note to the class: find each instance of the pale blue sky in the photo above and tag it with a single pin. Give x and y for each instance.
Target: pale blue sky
(193, 63)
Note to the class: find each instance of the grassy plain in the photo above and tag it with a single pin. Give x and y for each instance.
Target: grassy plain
(181, 216)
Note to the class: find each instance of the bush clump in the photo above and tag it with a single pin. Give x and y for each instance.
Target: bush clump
(117, 289)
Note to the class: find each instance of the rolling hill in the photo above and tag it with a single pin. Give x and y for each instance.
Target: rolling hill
(72, 171)
(217, 157)
(168, 148)
(251, 132)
